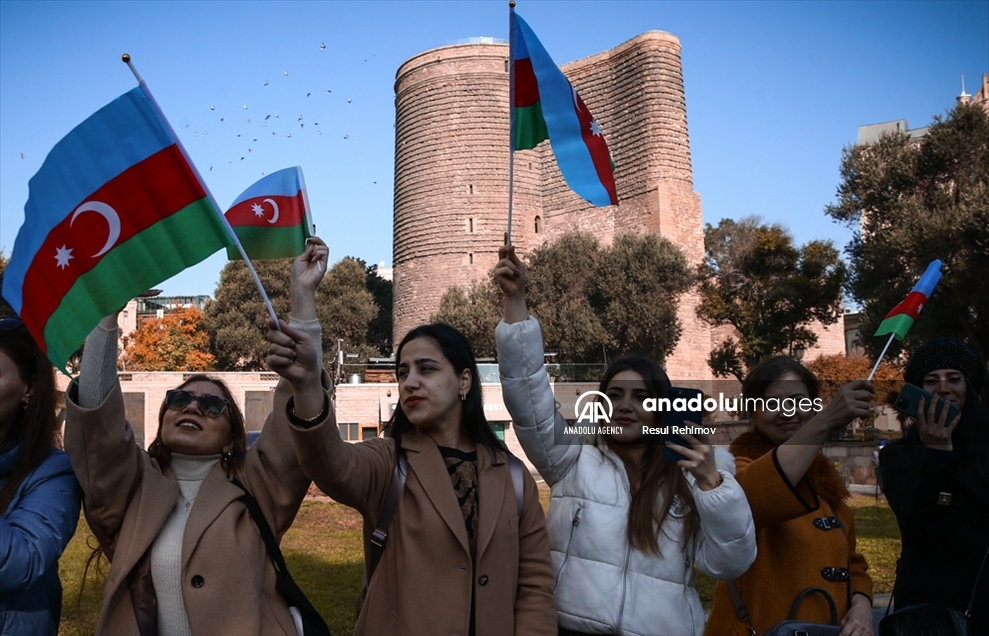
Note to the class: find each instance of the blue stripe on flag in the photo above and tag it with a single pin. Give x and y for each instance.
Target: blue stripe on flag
(282, 183)
(559, 111)
(124, 132)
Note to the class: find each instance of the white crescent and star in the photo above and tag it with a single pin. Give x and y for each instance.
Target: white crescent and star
(64, 254)
(259, 210)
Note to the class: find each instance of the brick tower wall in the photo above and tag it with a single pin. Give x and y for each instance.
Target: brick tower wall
(451, 172)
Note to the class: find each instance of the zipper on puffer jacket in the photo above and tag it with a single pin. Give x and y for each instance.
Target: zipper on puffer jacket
(566, 556)
(621, 606)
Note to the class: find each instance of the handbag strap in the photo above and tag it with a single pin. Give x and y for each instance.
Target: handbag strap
(809, 590)
(740, 609)
(975, 588)
(380, 534)
(285, 585)
(515, 466)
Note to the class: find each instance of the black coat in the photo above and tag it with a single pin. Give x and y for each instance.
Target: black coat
(941, 502)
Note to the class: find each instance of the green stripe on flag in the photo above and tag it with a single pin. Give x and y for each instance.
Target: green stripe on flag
(530, 126)
(146, 259)
(269, 242)
(898, 325)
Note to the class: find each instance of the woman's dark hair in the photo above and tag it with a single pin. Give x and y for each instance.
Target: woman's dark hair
(457, 350)
(35, 427)
(658, 479)
(758, 380)
(238, 432)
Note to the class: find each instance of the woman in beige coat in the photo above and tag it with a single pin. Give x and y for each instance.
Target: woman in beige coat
(458, 559)
(186, 557)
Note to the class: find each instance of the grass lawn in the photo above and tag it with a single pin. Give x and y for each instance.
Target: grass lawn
(324, 554)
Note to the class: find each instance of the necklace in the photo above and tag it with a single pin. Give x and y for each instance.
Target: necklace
(188, 502)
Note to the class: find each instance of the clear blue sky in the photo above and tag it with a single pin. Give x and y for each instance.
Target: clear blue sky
(775, 90)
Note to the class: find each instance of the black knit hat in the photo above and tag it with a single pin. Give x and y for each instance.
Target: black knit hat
(946, 353)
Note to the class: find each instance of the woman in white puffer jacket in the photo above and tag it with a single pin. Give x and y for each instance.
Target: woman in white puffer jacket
(626, 526)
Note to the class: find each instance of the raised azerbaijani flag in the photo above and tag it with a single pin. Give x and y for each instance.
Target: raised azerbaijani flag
(546, 106)
(114, 210)
(271, 218)
(900, 318)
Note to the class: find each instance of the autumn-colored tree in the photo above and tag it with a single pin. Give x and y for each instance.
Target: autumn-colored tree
(5, 308)
(174, 342)
(833, 371)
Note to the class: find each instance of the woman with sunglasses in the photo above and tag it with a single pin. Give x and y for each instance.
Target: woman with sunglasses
(39, 494)
(186, 557)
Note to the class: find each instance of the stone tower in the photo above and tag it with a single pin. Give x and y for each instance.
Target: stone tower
(451, 172)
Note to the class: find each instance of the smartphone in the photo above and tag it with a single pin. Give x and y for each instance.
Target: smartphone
(693, 397)
(908, 401)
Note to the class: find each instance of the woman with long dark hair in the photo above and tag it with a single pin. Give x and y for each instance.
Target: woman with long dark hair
(39, 494)
(806, 530)
(186, 556)
(936, 479)
(626, 524)
(459, 558)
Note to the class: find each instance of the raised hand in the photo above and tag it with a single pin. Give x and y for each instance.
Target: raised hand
(699, 460)
(935, 432)
(291, 354)
(852, 401)
(509, 274)
(308, 270)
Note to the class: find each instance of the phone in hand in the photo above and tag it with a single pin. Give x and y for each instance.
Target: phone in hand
(908, 402)
(679, 418)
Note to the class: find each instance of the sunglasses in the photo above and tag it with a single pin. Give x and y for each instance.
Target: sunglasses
(210, 405)
(9, 323)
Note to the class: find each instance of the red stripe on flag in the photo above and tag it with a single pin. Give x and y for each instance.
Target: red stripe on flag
(526, 86)
(290, 211)
(141, 196)
(911, 305)
(598, 149)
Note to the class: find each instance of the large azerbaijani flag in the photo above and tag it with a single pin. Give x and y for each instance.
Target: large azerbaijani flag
(115, 209)
(271, 218)
(900, 318)
(546, 106)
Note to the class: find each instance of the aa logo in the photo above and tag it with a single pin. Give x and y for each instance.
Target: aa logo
(593, 411)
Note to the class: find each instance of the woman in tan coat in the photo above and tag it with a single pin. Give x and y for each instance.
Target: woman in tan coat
(459, 559)
(186, 556)
(805, 531)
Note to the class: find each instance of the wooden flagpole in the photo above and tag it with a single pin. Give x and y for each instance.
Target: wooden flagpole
(216, 208)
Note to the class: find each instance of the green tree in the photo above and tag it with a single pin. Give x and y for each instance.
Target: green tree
(754, 279)
(911, 202)
(5, 308)
(237, 319)
(379, 332)
(592, 302)
(475, 313)
(637, 287)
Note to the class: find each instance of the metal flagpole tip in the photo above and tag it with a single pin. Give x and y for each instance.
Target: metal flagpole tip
(125, 58)
(511, 5)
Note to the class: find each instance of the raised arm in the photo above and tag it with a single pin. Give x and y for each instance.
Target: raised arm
(524, 380)
(98, 439)
(347, 472)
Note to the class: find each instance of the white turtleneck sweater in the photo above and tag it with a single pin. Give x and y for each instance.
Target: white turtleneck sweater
(166, 552)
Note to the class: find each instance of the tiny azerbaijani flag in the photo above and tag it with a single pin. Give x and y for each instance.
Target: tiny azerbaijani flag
(900, 318)
(545, 106)
(271, 218)
(114, 210)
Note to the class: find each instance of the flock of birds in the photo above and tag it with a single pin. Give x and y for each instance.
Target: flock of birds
(283, 126)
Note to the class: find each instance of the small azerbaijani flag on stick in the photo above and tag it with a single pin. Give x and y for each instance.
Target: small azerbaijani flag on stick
(271, 218)
(545, 106)
(899, 320)
(115, 209)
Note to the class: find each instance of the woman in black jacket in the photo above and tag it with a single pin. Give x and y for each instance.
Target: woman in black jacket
(936, 480)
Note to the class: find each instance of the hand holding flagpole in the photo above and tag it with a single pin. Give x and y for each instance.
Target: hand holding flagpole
(226, 224)
(899, 320)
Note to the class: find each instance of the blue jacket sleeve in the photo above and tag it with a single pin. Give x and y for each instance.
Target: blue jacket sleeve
(38, 524)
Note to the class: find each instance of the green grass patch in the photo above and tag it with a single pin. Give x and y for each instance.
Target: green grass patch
(324, 553)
